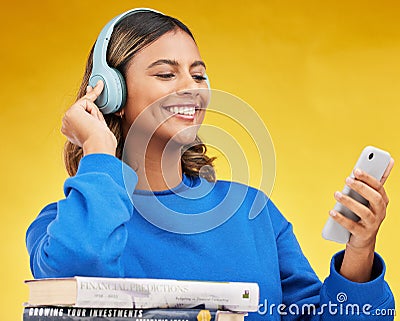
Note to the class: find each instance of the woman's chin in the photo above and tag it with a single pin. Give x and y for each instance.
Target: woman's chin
(184, 138)
(181, 136)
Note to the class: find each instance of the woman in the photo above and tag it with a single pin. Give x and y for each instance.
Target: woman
(101, 230)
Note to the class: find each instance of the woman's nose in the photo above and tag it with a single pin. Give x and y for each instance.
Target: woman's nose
(188, 85)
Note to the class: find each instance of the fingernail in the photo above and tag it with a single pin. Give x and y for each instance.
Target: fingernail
(332, 213)
(349, 180)
(357, 171)
(338, 194)
(87, 88)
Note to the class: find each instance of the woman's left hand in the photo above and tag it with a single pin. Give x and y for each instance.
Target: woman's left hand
(363, 232)
(359, 254)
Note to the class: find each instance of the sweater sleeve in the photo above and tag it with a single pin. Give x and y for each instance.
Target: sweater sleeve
(337, 299)
(85, 233)
(371, 300)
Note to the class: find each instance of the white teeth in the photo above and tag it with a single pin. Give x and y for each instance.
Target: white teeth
(182, 110)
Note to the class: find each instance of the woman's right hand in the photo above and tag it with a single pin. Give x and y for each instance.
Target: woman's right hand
(83, 124)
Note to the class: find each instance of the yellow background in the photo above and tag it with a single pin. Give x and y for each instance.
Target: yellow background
(324, 75)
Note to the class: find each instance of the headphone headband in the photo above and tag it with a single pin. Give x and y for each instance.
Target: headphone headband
(101, 46)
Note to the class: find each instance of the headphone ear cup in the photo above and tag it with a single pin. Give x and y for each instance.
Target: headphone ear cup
(113, 96)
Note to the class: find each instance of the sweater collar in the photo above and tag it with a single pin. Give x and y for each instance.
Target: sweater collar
(186, 183)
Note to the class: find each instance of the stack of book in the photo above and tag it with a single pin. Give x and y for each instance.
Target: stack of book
(123, 299)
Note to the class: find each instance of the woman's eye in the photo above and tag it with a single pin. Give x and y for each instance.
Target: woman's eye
(165, 76)
(199, 77)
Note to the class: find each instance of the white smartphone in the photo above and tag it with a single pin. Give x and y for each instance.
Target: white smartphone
(372, 160)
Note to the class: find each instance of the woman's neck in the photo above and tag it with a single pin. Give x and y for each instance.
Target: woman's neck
(157, 168)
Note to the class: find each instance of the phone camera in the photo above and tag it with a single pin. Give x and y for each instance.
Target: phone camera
(371, 156)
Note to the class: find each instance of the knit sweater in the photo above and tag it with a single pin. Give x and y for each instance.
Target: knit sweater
(199, 230)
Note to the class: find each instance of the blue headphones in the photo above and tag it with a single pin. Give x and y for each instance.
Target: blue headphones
(113, 96)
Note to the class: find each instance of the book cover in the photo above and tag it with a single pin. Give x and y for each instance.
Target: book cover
(136, 293)
(59, 313)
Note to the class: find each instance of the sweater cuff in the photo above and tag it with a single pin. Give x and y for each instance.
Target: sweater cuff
(119, 171)
(340, 289)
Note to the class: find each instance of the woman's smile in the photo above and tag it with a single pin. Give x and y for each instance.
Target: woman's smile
(182, 111)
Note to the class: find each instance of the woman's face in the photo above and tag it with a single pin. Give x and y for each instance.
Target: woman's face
(166, 87)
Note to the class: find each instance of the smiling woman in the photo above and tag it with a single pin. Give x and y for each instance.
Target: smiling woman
(146, 159)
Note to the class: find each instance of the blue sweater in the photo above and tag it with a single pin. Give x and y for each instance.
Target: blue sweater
(102, 228)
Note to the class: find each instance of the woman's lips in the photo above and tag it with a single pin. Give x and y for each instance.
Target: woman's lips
(183, 111)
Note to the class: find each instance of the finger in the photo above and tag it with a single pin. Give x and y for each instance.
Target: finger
(95, 92)
(363, 212)
(374, 197)
(348, 224)
(92, 109)
(100, 115)
(373, 182)
(95, 111)
(83, 102)
(88, 89)
(367, 179)
(387, 171)
(65, 130)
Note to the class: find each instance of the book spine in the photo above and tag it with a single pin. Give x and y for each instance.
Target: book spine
(158, 293)
(57, 313)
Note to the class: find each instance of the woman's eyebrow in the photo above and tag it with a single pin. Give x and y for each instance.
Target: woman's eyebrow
(198, 63)
(162, 62)
(175, 63)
